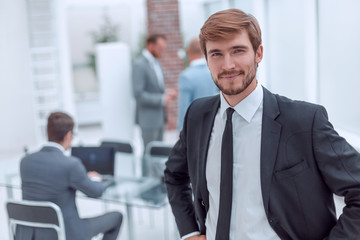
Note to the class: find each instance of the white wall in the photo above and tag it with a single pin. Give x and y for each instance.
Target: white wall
(285, 47)
(317, 62)
(290, 56)
(192, 17)
(16, 99)
(85, 18)
(340, 62)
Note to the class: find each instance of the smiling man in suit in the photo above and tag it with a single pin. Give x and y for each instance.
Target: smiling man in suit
(149, 91)
(253, 165)
(50, 175)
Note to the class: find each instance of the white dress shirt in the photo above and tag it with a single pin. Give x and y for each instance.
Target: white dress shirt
(248, 219)
(56, 145)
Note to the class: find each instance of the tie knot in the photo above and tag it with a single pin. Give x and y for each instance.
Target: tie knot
(229, 113)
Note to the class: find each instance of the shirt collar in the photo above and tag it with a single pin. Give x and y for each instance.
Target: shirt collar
(197, 62)
(149, 56)
(55, 145)
(247, 107)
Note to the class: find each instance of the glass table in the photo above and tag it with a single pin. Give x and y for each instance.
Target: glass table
(146, 192)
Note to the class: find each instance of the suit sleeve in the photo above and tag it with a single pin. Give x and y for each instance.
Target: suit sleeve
(339, 164)
(144, 97)
(79, 180)
(178, 185)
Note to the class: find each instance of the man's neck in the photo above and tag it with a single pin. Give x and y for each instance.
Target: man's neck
(56, 145)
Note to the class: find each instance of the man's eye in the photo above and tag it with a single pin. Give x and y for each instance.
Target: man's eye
(215, 54)
(239, 50)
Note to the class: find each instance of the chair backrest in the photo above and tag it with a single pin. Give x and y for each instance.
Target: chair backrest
(157, 153)
(38, 214)
(158, 149)
(123, 147)
(124, 154)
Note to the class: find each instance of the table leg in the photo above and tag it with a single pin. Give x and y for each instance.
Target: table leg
(130, 222)
(166, 224)
(9, 190)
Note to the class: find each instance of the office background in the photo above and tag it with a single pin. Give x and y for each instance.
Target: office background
(311, 53)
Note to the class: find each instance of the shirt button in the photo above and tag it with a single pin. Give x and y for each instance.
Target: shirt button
(203, 203)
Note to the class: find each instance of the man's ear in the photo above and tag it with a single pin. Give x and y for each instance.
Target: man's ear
(259, 54)
(68, 135)
(66, 143)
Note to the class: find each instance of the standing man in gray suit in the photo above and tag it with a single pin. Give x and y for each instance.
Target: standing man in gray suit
(49, 175)
(149, 91)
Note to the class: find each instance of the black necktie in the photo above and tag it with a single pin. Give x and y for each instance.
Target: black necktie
(226, 180)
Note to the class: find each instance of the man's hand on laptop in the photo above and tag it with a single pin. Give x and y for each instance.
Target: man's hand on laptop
(94, 176)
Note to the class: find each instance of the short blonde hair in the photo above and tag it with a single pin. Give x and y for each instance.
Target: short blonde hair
(225, 24)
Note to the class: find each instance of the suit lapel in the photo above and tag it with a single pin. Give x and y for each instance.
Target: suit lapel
(206, 129)
(270, 136)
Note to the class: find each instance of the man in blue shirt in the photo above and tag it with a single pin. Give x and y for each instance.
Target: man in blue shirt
(195, 81)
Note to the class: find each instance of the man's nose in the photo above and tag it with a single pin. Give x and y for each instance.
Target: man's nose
(228, 63)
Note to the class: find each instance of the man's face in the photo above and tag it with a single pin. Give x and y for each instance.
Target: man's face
(233, 63)
(157, 48)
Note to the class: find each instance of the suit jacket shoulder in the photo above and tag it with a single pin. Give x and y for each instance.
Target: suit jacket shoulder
(141, 61)
(203, 105)
(291, 114)
(294, 105)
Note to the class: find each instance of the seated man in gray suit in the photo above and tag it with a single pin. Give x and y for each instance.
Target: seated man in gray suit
(49, 175)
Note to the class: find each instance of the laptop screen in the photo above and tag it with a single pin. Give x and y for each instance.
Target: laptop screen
(99, 159)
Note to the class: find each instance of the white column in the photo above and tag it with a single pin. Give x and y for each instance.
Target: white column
(66, 80)
(113, 64)
(16, 91)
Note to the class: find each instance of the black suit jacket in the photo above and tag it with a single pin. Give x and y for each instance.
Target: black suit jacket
(303, 162)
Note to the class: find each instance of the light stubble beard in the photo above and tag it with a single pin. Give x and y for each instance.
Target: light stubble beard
(248, 78)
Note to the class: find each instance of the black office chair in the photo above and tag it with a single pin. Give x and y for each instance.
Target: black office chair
(121, 148)
(156, 154)
(37, 214)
